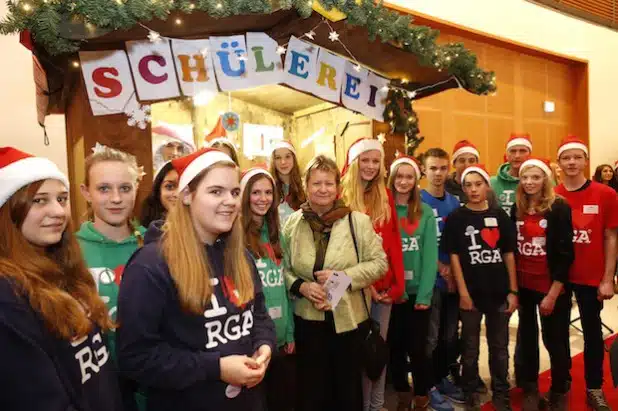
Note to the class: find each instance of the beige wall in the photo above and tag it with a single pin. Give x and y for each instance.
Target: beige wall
(527, 23)
(18, 123)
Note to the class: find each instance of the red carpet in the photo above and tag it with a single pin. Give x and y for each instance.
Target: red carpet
(577, 396)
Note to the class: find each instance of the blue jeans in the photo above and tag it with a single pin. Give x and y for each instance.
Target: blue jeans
(442, 338)
(373, 391)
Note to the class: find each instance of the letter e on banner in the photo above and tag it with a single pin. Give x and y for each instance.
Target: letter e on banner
(355, 89)
(108, 80)
(153, 69)
(300, 65)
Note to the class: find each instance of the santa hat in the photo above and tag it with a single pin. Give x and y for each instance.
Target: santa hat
(222, 140)
(407, 160)
(572, 143)
(477, 168)
(217, 131)
(541, 163)
(18, 169)
(359, 147)
(188, 167)
(519, 140)
(465, 147)
(284, 144)
(252, 172)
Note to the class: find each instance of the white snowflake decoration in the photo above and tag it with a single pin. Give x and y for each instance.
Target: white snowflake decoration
(281, 50)
(310, 34)
(333, 36)
(139, 115)
(382, 138)
(98, 147)
(154, 37)
(411, 94)
(397, 153)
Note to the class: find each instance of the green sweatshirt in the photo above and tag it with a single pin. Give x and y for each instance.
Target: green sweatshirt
(106, 260)
(420, 253)
(275, 292)
(505, 186)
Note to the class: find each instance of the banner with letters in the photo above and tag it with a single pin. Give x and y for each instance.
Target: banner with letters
(170, 68)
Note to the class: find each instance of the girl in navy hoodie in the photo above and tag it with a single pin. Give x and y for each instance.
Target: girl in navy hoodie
(54, 355)
(195, 331)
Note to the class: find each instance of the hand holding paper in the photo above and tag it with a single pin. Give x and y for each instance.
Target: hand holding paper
(335, 287)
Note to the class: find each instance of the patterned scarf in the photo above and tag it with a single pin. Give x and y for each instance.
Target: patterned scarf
(321, 227)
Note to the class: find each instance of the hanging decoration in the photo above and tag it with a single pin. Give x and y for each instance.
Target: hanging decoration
(45, 19)
(231, 121)
(139, 115)
(402, 118)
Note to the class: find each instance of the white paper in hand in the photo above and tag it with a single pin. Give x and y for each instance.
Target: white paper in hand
(335, 287)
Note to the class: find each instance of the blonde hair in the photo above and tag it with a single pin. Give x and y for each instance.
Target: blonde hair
(373, 202)
(105, 154)
(325, 164)
(185, 256)
(415, 209)
(548, 196)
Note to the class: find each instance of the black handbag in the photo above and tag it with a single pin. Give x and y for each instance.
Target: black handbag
(374, 351)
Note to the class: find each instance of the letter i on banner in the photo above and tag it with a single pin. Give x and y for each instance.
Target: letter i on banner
(376, 101)
(329, 76)
(108, 80)
(300, 64)
(153, 69)
(265, 66)
(195, 67)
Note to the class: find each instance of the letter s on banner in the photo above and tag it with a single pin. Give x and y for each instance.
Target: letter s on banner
(108, 80)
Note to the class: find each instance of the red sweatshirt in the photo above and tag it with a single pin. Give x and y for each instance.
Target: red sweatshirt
(393, 281)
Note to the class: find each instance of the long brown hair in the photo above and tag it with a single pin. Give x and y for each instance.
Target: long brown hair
(296, 196)
(415, 209)
(548, 196)
(184, 254)
(252, 231)
(105, 154)
(55, 280)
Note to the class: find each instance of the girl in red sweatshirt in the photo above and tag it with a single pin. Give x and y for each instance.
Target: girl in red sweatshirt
(364, 190)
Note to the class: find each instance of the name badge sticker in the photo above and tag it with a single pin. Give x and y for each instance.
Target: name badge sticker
(540, 241)
(408, 275)
(591, 209)
(491, 222)
(275, 312)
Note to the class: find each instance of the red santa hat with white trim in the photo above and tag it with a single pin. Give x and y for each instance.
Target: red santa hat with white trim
(542, 163)
(188, 167)
(477, 168)
(18, 169)
(519, 140)
(572, 143)
(407, 160)
(359, 147)
(465, 147)
(252, 172)
(284, 144)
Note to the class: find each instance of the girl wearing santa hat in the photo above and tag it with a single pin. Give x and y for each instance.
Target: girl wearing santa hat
(262, 236)
(481, 241)
(224, 144)
(54, 355)
(409, 323)
(163, 195)
(195, 330)
(544, 256)
(364, 190)
(284, 167)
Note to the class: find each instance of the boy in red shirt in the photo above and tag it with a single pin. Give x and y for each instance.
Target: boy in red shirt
(595, 219)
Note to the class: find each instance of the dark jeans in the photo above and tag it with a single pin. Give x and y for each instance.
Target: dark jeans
(328, 368)
(555, 332)
(594, 350)
(407, 338)
(280, 382)
(497, 324)
(443, 327)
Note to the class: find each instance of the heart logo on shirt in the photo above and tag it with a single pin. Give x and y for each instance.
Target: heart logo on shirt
(408, 227)
(581, 221)
(490, 236)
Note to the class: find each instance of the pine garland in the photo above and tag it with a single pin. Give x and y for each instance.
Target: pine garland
(43, 18)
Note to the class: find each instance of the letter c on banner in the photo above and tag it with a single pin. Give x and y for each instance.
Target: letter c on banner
(114, 86)
(147, 74)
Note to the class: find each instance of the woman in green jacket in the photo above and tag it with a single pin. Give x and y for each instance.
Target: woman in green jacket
(320, 243)
(260, 219)
(410, 316)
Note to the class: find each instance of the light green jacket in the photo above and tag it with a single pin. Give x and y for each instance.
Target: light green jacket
(300, 255)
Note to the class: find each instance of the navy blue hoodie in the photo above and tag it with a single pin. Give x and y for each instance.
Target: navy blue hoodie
(174, 355)
(39, 371)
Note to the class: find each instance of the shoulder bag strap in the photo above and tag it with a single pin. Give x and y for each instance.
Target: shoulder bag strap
(358, 259)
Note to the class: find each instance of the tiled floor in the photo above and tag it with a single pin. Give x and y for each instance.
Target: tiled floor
(609, 316)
